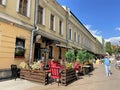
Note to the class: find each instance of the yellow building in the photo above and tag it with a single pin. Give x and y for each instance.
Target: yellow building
(53, 29)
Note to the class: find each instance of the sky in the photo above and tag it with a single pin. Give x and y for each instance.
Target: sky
(101, 17)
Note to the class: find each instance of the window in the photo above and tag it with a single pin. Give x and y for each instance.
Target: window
(52, 22)
(2, 2)
(60, 53)
(50, 52)
(70, 34)
(78, 39)
(40, 15)
(60, 27)
(75, 36)
(23, 7)
(20, 47)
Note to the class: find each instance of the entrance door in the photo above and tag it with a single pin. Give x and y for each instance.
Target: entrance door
(37, 52)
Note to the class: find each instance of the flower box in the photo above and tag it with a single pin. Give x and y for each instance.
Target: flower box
(34, 75)
(68, 76)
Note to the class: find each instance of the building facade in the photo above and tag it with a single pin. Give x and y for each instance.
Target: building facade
(58, 30)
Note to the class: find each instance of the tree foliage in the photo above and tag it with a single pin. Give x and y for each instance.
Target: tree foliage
(108, 48)
(70, 56)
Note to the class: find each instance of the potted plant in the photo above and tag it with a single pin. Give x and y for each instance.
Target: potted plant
(81, 55)
(70, 58)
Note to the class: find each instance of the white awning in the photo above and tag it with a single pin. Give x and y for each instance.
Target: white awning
(63, 46)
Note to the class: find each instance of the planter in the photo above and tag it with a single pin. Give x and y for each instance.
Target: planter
(34, 75)
(68, 76)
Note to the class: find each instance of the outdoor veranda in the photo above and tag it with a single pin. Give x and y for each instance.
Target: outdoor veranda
(53, 71)
(61, 71)
(95, 81)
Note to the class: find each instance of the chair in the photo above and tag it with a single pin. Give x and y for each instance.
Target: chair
(15, 71)
(55, 73)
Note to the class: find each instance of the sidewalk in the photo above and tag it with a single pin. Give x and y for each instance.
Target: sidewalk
(95, 81)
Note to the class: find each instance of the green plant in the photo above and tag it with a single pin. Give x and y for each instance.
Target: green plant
(70, 56)
(81, 56)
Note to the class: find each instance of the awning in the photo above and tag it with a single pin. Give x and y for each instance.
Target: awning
(63, 46)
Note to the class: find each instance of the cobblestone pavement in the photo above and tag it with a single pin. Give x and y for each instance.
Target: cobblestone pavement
(96, 80)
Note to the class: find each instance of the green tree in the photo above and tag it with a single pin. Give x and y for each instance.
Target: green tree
(108, 47)
(70, 56)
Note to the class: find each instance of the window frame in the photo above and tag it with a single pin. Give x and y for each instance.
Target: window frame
(19, 48)
(60, 27)
(40, 15)
(70, 34)
(27, 9)
(52, 22)
(3, 2)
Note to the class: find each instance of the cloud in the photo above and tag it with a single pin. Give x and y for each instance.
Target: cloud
(113, 40)
(117, 28)
(94, 32)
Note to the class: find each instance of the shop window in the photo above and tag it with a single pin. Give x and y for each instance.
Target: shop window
(20, 48)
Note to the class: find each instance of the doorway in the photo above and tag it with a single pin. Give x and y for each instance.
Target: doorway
(37, 52)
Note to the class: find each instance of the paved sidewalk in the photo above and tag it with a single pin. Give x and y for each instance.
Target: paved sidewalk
(95, 81)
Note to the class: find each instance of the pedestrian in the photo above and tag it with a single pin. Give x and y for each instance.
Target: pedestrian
(107, 65)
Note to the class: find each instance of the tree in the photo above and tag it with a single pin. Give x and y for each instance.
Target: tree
(70, 56)
(108, 48)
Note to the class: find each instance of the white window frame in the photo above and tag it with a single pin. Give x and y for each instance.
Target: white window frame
(43, 21)
(28, 7)
(4, 2)
(54, 26)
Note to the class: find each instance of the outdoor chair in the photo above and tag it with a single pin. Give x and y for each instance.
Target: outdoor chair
(55, 73)
(15, 71)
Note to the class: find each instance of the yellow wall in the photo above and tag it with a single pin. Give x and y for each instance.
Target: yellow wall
(7, 44)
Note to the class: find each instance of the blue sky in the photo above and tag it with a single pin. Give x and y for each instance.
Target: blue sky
(101, 17)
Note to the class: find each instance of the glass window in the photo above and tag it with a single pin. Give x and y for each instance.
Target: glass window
(1, 2)
(70, 34)
(52, 22)
(40, 15)
(20, 47)
(23, 7)
(50, 52)
(79, 39)
(75, 36)
(60, 27)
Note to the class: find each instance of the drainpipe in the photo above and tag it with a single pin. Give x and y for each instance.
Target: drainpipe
(35, 28)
